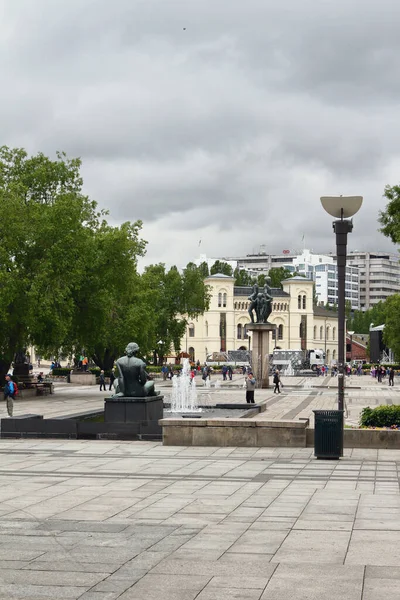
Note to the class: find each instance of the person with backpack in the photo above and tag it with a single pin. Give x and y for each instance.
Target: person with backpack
(10, 391)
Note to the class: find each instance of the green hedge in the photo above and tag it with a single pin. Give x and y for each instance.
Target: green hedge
(381, 416)
(60, 372)
(395, 366)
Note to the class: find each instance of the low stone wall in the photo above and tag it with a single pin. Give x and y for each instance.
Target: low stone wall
(378, 439)
(83, 378)
(234, 432)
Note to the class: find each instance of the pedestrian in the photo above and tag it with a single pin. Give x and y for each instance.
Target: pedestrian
(250, 387)
(9, 394)
(391, 377)
(230, 373)
(112, 379)
(277, 381)
(102, 381)
(85, 363)
(224, 372)
(379, 375)
(164, 371)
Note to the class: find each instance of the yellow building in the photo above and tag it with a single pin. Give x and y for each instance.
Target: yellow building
(300, 325)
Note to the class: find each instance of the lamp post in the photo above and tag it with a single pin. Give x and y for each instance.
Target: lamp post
(342, 208)
(351, 333)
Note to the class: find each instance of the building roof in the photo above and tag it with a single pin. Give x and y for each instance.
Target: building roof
(246, 290)
(299, 278)
(219, 276)
(320, 311)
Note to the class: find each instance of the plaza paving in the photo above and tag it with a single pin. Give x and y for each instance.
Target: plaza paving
(101, 520)
(299, 397)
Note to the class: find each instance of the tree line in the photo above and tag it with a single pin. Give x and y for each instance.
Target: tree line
(69, 281)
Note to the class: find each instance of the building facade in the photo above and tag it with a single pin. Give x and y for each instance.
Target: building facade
(300, 325)
(379, 276)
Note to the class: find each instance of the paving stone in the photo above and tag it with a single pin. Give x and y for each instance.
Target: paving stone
(313, 547)
(314, 582)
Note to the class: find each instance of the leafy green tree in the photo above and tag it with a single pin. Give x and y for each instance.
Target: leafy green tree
(173, 299)
(242, 277)
(221, 267)
(204, 270)
(390, 217)
(277, 275)
(391, 333)
(262, 279)
(68, 280)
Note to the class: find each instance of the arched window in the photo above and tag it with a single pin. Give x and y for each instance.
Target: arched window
(224, 300)
(191, 330)
(191, 354)
(328, 356)
(239, 331)
(315, 332)
(304, 302)
(274, 307)
(327, 333)
(245, 336)
(207, 329)
(321, 333)
(334, 355)
(299, 302)
(334, 333)
(301, 331)
(280, 332)
(220, 299)
(274, 334)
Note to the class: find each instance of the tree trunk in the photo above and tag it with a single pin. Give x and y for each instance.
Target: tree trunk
(104, 359)
(4, 368)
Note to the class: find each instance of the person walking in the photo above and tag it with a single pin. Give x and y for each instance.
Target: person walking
(102, 381)
(9, 395)
(112, 379)
(277, 381)
(85, 363)
(391, 377)
(230, 372)
(164, 371)
(250, 387)
(224, 372)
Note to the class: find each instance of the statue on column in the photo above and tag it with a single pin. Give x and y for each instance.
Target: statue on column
(261, 304)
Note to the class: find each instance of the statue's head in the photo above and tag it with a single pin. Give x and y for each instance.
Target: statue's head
(131, 349)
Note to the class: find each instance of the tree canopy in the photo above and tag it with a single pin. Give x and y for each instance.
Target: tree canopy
(222, 267)
(69, 280)
(277, 275)
(390, 217)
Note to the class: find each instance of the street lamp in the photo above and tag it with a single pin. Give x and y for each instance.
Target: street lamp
(351, 333)
(342, 208)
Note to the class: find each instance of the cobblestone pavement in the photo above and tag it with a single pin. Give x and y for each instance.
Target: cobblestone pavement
(99, 520)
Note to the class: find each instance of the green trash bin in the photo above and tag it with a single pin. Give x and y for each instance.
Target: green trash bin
(328, 433)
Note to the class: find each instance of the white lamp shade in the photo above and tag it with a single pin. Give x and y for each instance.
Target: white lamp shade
(341, 206)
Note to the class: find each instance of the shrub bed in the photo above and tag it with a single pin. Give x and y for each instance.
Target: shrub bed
(381, 416)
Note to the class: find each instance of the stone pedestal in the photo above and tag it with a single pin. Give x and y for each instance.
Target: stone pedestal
(260, 333)
(142, 414)
(82, 378)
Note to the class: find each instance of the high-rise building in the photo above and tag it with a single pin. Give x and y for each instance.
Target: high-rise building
(379, 275)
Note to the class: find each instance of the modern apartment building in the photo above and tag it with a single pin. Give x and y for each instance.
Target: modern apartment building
(379, 275)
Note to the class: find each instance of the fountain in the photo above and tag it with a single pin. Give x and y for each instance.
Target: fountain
(184, 393)
(289, 371)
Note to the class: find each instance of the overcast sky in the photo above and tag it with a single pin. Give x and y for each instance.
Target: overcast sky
(215, 120)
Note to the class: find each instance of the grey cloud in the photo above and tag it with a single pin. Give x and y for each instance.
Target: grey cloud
(228, 131)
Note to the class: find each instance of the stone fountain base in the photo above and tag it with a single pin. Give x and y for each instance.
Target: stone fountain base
(142, 414)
